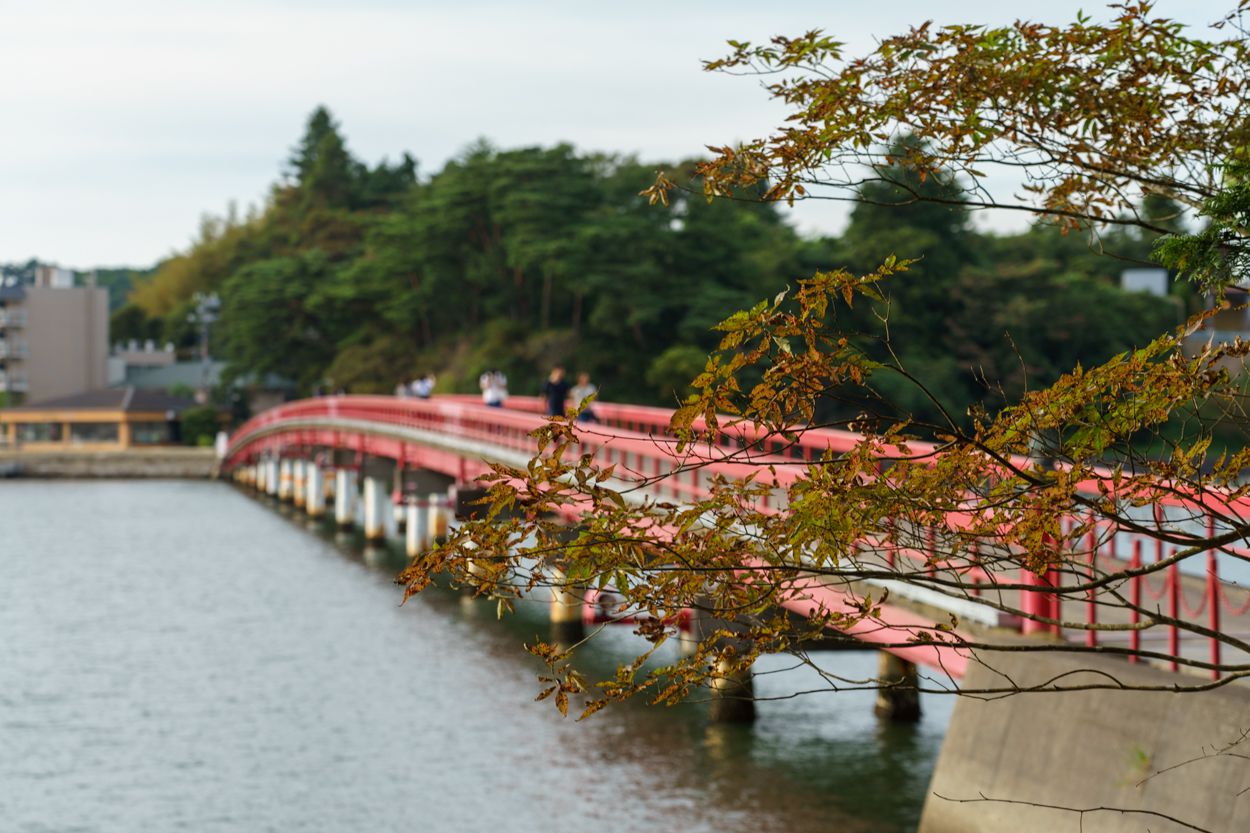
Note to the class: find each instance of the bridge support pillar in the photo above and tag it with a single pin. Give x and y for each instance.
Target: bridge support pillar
(286, 482)
(314, 490)
(258, 475)
(417, 536)
(566, 609)
(297, 483)
(377, 501)
(345, 497)
(898, 697)
(273, 472)
(439, 519)
(733, 691)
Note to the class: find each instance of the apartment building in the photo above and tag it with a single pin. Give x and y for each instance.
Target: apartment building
(53, 337)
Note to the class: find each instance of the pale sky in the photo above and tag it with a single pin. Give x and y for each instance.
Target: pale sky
(123, 121)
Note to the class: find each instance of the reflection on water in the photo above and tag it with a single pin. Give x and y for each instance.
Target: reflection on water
(176, 655)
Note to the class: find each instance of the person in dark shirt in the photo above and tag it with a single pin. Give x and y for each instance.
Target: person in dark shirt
(555, 391)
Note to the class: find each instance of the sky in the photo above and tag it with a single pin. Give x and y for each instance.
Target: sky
(122, 122)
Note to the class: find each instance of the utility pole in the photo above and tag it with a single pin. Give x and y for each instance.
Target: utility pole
(207, 307)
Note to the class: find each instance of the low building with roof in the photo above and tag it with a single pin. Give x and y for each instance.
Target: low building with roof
(260, 392)
(113, 419)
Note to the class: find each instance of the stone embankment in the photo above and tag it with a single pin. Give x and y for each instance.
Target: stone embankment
(1093, 761)
(175, 462)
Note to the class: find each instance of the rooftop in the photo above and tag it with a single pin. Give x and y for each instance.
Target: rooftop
(127, 399)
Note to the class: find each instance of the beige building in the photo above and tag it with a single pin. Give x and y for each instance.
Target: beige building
(53, 337)
(101, 420)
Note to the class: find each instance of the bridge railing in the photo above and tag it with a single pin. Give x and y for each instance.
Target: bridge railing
(637, 440)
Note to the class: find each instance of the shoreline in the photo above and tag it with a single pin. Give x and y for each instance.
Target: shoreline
(179, 462)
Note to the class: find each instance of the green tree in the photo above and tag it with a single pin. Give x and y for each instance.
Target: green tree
(131, 322)
(272, 326)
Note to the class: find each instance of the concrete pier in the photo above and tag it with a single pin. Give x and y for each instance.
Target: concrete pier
(314, 490)
(733, 692)
(297, 483)
(377, 503)
(566, 610)
(286, 482)
(897, 697)
(273, 470)
(417, 536)
(345, 497)
(439, 519)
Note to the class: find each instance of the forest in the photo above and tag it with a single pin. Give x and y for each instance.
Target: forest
(355, 277)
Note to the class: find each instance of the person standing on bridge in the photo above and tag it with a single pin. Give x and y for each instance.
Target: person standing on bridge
(580, 392)
(423, 386)
(555, 391)
(494, 387)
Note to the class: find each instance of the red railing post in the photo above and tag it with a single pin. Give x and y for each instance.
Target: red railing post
(1213, 598)
(1134, 636)
(1091, 607)
(1040, 603)
(1174, 610)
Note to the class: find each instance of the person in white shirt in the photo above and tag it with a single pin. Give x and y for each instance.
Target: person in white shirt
(423, 386)
(578, 394)
(494, 387)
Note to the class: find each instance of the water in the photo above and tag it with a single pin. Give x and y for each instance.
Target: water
(176, 656)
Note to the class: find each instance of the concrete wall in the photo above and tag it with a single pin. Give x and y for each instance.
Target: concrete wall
(170, 462)
(1090, 749)
(66, 335)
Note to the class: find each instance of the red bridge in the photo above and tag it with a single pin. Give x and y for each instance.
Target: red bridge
(291, 450)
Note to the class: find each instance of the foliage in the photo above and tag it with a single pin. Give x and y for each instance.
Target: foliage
(673, 369)
(200, 425)
(979, 499)
(1095, 116)
(130, 322)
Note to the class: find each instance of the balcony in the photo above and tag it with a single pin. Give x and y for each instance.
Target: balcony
(12, 318)
(11, 349)
(13, 384)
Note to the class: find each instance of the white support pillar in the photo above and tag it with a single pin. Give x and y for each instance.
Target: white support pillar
(286, 483)
(377, 499)
(297, 483)
(417, 530)
(566, 609)
(314, 490)
(898, 692)
(273, 472)
(399, 510)
(733, 692)
(345, 497)
(439, 517)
